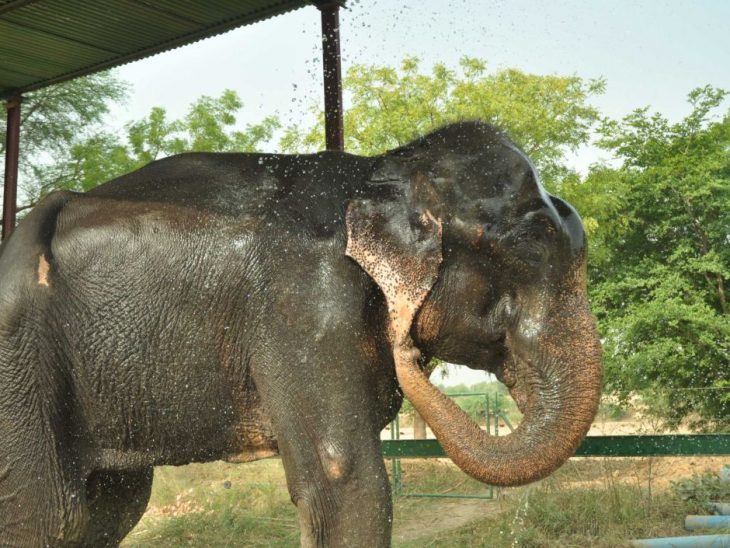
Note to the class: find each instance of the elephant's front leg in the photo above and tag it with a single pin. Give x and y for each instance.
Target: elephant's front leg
(329, 443)
(342, 493)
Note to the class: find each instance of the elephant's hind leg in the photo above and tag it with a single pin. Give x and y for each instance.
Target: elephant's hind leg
(116, 502)
(41, 501)
(42, 498)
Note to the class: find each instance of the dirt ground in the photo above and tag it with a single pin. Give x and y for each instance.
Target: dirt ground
(442, 515)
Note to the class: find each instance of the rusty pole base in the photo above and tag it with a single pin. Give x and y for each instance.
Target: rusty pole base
(12, 150)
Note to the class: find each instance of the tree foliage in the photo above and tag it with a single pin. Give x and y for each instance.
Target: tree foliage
(660, 257)
(56, 118)
(208, 126)
(546, 115)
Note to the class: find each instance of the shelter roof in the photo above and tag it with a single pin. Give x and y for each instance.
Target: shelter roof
(44, 42)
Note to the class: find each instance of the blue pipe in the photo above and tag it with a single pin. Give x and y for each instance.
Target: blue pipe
(702, 541)
(722, 508)
(706, 522)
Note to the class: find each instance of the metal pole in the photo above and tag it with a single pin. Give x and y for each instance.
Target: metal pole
(496, 414)
(12, 149)
(398, 476)
(334, 132)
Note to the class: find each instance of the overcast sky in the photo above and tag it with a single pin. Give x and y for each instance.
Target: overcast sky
(650, 53)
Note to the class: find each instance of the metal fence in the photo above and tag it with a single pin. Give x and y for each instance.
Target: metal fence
(635, 445)
(594, 446)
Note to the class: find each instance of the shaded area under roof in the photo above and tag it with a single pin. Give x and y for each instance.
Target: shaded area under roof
(43, 42)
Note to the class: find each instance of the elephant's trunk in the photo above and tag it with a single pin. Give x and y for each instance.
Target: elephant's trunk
(564, 356)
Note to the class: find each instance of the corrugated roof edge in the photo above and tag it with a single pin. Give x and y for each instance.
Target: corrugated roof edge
(169, 45)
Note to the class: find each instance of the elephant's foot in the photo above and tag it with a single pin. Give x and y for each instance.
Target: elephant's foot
(345, 503)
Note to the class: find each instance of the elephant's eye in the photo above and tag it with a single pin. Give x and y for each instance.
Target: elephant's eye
(530, 243)
(531, 251)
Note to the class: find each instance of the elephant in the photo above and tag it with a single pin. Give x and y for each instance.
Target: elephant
(241, 306)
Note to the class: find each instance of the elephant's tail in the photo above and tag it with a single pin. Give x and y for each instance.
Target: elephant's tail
(25, 257)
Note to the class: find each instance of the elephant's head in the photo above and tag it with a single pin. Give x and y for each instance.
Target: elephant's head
(481, 267)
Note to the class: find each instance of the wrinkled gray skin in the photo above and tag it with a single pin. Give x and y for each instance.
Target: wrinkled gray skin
(204, 308)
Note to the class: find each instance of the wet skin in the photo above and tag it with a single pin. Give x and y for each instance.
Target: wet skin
(204, 308)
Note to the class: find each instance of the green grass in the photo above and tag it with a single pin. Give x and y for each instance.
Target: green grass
(544, 517)
(219, 504)
(604, 513)
(583, 504)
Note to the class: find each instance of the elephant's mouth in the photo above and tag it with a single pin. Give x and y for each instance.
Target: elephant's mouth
(496, 358)
(513, 371)
(519, 377)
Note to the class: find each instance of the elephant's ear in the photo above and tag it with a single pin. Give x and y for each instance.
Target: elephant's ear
(400, 250)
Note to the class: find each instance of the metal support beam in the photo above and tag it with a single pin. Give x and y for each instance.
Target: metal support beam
(12, 150)
(334, 132)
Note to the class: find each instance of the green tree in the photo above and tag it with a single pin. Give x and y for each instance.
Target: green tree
(546, 115)
(54, 120)
(660, 257)
(208, 126)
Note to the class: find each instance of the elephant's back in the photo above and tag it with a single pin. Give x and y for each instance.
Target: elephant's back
(237, 184)
(220, 183)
